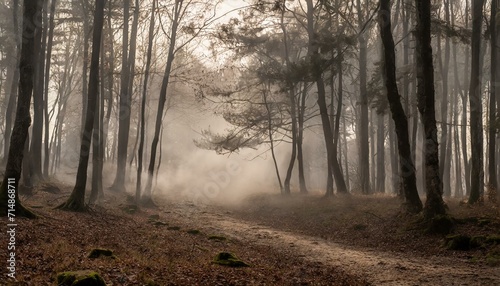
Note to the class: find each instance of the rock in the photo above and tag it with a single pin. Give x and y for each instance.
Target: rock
(229, 259)
(96, 252)
(80, 278)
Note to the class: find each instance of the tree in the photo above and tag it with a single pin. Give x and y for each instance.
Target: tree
(125, 97)
(434, 204)
(364, 153)
(494, 97)
(407, 168)
(476, 107)
(76, 202)
(23, 118)
(140, 151)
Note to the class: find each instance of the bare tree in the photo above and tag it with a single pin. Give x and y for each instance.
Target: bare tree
(9, 198)
(407, 168)
(434, 204)
(76, 202)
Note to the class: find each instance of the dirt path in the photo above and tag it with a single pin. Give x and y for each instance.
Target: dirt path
(377, 267)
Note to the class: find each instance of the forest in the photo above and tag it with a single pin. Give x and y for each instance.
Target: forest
(250, 142)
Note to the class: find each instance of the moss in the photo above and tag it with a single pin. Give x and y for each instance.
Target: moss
(173, 228)
(97, 252)
(80, 278)
(229, 259)
(458, 242)
(193, 231)
(477, 241)
(217, 237)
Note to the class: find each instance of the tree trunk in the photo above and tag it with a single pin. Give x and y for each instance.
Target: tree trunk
(143, 104)
(146, 197)
(434, 204)
(364, 151)
(407, 171)
(381, 153)
(9, 198)
(76, 202)
(300, 139)
(14, 84)
(494, 94)
(270, 134)
(476, 107)
(124, 115)
(46, 89)
(38, 99)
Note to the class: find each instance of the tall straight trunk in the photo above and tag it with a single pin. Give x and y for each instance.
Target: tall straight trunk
(395, 174)
(293, 155)
(464, 137)
(38, 99)
(131, 58)
(76, 200)
(407, 171)
(46, 89)
(23, 118)
(494, 94)
(124, 114)
(300, 139)
(364, 151)
(476, 107)
(373, 164)
(458, 167)
(444, 109)
(434, 204)
(14, 84)
(140, 151)
(85, 67)
(293, 108)
(110, 75)
(178, 7)
(381, 154)
(346, 161)
(97, 137)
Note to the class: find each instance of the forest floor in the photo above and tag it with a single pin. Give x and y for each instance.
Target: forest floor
(296, 240)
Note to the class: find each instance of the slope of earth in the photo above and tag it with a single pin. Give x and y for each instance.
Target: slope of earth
(150, 247)
(366, 234)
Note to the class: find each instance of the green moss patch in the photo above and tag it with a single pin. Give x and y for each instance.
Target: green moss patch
(458, 242)
(154, 217)
(159, 223)
(80, 278)
(493, 257)
(173, 228)
(130, 209)
(98, 252)
(229, 259)
(493, 239)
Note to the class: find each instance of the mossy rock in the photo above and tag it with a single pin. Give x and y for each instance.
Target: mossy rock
(478, 241)
(440, 224)
(97, 252)
(193, 231)
(173, 228)
(217, 238)
(458, 242)
(229, 259)
(80, 278)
